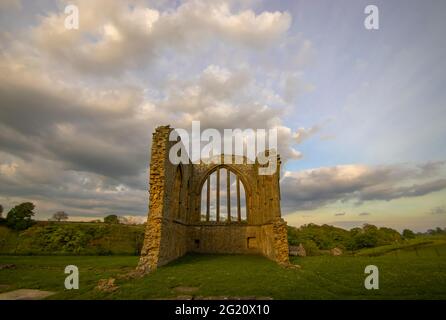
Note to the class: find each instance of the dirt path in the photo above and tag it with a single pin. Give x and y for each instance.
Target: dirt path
(25, 294)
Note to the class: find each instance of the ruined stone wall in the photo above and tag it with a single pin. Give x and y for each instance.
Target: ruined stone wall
(174, 227)
(266, 230)
(174, 223)
(239, 238)
(165, 237)
(275, 241)
(281, 248)
(152, 239)
(174, 242)
(219, 238)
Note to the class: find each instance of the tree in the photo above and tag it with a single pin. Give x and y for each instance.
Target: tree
(437, 231)
(2, 220)
(408, 234)
(60, 215)
(388, 236)
(365, 240)
(19, 217)
(112, 218)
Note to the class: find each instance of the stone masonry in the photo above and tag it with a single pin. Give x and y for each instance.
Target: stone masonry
(174, 225)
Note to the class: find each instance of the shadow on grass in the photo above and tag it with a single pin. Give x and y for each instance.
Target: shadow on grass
(194, 258)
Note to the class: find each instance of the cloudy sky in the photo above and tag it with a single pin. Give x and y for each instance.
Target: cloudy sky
(360, 113)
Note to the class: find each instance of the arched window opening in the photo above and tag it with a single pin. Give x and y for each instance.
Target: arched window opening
(223, 197)
(177, 190)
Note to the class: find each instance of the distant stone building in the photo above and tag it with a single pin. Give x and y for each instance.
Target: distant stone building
(210, 208)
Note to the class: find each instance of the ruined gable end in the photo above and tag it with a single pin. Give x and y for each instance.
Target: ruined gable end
(210, 208)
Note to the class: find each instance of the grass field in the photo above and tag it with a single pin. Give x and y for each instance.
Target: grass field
(404, 274)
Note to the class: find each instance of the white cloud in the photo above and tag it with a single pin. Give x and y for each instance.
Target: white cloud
(79, 141)
(114, 37)
(302, 134)
(314, 188)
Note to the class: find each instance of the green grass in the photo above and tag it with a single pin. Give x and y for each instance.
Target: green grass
(404, 274)
(72, 238)
(412, 245)
(47, 272)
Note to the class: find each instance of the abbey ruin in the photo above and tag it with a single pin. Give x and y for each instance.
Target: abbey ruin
(210, 208)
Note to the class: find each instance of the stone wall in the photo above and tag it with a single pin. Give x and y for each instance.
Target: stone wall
(229, 238)
(152, 239)
(173, 224)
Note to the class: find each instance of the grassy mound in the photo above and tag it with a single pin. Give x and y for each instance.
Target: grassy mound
(70, 238)
(414, 245)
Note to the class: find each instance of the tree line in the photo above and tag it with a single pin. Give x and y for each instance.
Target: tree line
(315, 238)
(20, 217)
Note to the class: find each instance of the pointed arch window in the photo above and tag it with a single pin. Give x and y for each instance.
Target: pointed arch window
(177, 207)
(223, 197)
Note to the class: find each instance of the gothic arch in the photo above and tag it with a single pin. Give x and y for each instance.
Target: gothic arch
(231, 168)
(240, 180)
(178, 186)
